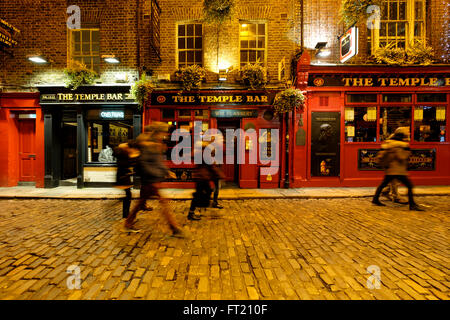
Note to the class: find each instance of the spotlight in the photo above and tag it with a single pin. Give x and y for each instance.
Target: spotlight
(37, 59)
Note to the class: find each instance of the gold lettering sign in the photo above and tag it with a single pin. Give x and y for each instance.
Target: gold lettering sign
(393, 82)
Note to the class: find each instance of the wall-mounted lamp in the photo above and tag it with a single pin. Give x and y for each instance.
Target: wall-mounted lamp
(111, 59)
(37, 59)
(223, 74)
(322, 50)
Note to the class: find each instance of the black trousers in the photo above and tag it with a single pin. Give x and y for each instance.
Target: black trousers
(201, 196)
(403, 179)
(216, 191)
(126, 203)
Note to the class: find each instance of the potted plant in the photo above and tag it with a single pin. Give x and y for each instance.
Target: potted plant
(216, 11)
(254, 75)
(191, 77)
(288, 100)
(79, 74)
(142, 89)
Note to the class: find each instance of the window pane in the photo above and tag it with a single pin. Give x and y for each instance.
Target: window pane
(260, 56)
(397, 98)
(182, 57)
(361, 124)
(244, 44)
(76, 36)
(244, 56)
(201, 114)
(198, 57)
(252, 43)
(95, 48)
(358, 98)
(432, 97)
(168, 113)
(77, 48)
(261, 29)
(184, 113)
(190, 30)
(190, 57)
(198, 43)
(86, 48)
(261, 42)
(252, 30)
(402, 11)
(95, 36)
(429, 124)
(391, 29)
(181, 43)
(252, 56)
(181, 30)
(198, 30)
(418, 10)
(393, 11)
(393, 117)
(85, 35)
(189, 43)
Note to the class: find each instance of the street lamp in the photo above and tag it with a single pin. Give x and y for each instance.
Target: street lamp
(37, 59)
(111, 59)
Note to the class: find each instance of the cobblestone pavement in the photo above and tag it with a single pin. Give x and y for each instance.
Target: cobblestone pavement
(253, 249)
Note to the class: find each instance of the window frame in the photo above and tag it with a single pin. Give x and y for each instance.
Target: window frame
(257, 22)
(177, 51)
(71, 44)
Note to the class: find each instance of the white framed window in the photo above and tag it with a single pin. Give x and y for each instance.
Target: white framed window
(401, 22)
(252, 42)
(189, 44)
(84, 47)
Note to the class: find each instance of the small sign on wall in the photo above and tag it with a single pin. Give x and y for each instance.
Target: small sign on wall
(348, 44)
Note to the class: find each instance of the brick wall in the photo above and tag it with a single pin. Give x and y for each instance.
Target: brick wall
(283, 34)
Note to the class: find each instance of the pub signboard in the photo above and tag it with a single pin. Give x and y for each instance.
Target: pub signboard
(7, 34)
(420, 159)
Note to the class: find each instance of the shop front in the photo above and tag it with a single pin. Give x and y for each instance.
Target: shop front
(21, 140)
(81, 129)
(351, 110)
(244, 123)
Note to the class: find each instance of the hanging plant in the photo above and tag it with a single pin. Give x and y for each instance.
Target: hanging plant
(254, 75)
(79, 74)
(288, 100)
(142, 89)
(417, 53)
(216, 11)
(191, 76)
(351, 11)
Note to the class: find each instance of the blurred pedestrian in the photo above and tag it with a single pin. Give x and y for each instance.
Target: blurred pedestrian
(201, 198)
(126, 155)
(394, 158)
(152, 171)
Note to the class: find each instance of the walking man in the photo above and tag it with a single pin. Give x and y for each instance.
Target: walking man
(152, 171)
(394, 157)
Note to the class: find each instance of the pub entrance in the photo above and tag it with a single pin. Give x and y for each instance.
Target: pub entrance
(231, 170)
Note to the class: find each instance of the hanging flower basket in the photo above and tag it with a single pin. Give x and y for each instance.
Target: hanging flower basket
(288, 100)
(191, 77)
(79, 74)
(417, 54)
(351, 11)
(254, 76)
(142, 89)
(216, 11)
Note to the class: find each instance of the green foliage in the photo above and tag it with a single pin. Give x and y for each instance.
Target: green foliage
(216, 11)
(191, 76)
(254, 75)
(416, 54)
(288, 100)
(78, 74)
(352, 11)
(142, 89)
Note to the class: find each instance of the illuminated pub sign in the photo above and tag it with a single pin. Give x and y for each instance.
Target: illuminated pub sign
(380, 81)
(7, 32)
(212, 98)
(90, 94)
(420, 159)
(348, 44)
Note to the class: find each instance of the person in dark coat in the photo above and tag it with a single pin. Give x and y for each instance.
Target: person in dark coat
(152, 170)
(396, 156)
(202, 196)
(126, 155)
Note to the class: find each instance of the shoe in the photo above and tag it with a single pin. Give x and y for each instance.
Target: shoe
(131, 228)
(415, 207)
(378, 203)
(217, 206)
(400, 201)
(193, 216)
(177, 232)
(148, 209)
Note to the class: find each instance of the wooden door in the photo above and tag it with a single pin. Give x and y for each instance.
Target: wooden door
(230, 169)
(27, 151)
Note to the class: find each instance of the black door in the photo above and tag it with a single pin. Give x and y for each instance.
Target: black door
(231, 170)
(325, 146)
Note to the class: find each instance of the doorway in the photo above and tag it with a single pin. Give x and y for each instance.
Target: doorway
(231, 170)
(69, 152)
(325, 146)
(27, 150)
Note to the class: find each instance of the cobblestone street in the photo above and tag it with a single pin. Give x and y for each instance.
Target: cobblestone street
(252, 249)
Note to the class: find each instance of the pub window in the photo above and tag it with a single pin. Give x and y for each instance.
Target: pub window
(84, 47)
(361, 98)
(429, 123)
(392, 118)
(431, 97)
(184, 119)
(401, 23)
(396, 97)
(361, 124)
(104, 136)
(252, 39)
(168, 114)
(190, 44)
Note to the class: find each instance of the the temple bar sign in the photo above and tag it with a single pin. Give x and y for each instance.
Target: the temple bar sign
(205, 98)
(380, 81)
